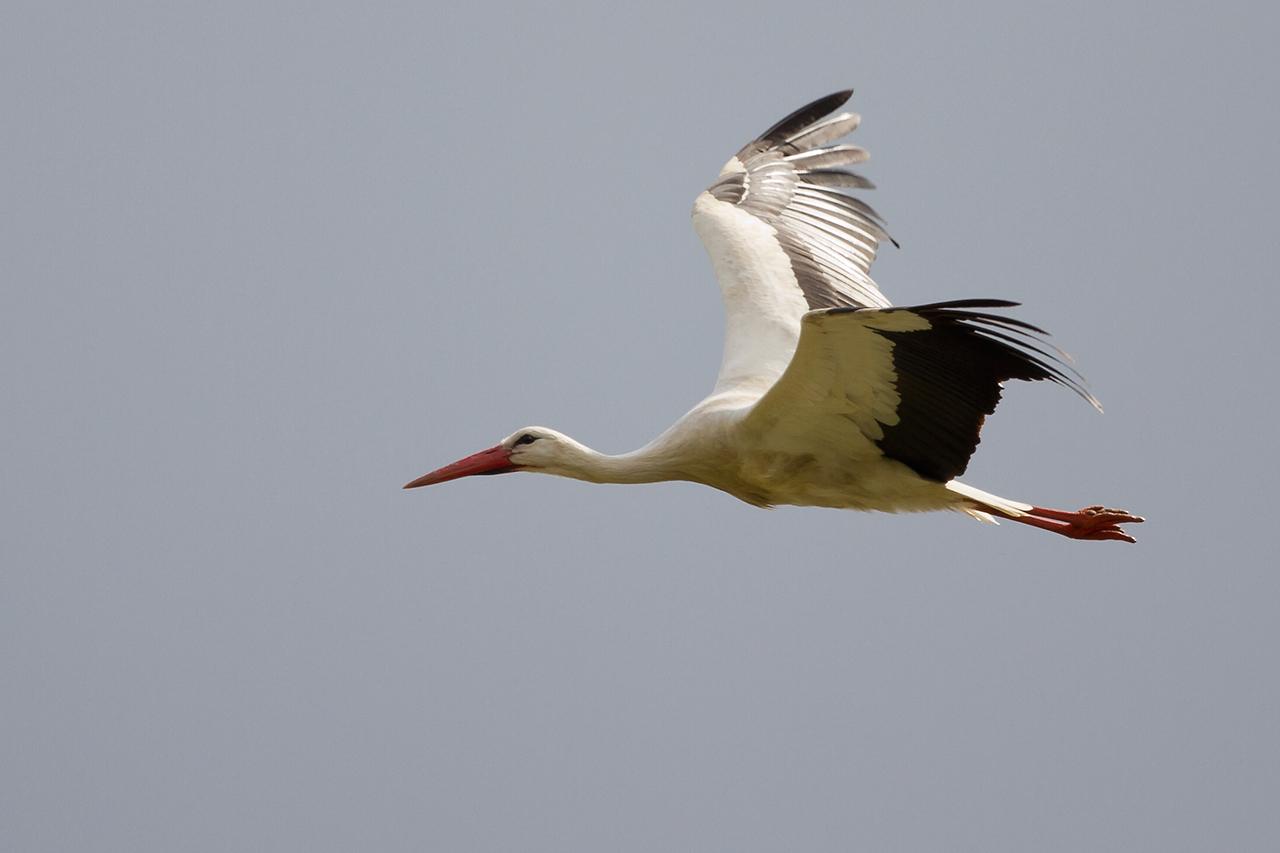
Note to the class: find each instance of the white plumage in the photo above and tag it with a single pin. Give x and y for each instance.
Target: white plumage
(827, 395)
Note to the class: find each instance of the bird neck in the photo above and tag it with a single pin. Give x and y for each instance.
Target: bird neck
(639, 466)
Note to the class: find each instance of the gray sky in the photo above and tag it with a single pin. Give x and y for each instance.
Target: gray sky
(261, 266)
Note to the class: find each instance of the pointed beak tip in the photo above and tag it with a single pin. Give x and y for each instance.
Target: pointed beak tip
(495, 460)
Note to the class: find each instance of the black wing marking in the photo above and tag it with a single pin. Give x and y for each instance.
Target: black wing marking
(948, 379)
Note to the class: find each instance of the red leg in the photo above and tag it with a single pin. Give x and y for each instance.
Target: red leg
(1092, 522)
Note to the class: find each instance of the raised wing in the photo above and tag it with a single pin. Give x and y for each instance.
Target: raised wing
(785, 238)
(913, 384)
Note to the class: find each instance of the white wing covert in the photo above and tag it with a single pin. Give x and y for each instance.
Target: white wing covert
(785, 238)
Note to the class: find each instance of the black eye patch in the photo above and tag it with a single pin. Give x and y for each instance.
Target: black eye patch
(526, 439)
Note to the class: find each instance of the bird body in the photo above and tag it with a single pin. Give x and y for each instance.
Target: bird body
(827, 395)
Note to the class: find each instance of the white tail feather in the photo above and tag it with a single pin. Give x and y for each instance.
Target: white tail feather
(999, 504)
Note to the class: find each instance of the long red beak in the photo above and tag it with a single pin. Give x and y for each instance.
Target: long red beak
(495, 460)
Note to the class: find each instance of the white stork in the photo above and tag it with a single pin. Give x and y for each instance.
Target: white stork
(827, 395)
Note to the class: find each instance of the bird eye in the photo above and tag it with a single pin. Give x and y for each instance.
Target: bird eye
(526, 439)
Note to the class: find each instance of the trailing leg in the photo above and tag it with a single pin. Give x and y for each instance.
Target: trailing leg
(1092, 522)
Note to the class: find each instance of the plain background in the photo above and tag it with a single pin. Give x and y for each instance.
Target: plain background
(263, 263)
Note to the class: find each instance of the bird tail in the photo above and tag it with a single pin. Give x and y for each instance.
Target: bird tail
(1004, 506)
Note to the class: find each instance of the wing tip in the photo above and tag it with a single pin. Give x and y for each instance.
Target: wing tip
(1057, 369)
(802, 117)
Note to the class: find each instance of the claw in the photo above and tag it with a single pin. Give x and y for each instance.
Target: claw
(1108, 533)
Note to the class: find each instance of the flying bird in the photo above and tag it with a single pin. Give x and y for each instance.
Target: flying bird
(828, 394)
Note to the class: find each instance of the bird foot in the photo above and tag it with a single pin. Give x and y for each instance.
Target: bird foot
(1093, 522)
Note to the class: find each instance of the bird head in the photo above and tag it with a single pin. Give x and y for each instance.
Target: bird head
(533, 448)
